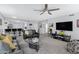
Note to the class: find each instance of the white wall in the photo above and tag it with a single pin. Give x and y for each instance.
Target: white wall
(2, 26)
(43, 28)
(21, 24)
(74, 34)
(64, 19)
(16, 23)
(34, 25)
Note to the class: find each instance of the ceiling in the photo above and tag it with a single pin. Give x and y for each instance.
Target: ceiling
(26, 11)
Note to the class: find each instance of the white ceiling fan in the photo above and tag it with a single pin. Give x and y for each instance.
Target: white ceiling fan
(48, 10)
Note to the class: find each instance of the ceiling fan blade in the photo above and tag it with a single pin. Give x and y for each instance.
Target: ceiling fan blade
(42, 12)
(54, 9)
(49, 13)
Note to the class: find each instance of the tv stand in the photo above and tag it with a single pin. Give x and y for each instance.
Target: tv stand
(60, 37)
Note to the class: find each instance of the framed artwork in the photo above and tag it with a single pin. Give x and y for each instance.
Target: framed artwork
(77, 23)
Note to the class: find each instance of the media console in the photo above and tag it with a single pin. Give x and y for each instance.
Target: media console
(63, 38)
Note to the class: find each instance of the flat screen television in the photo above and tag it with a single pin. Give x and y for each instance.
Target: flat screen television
(68, 26)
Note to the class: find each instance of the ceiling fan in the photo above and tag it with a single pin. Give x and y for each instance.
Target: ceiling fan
(48, 10)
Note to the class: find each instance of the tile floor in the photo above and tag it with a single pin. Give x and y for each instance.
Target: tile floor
(49, 45)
